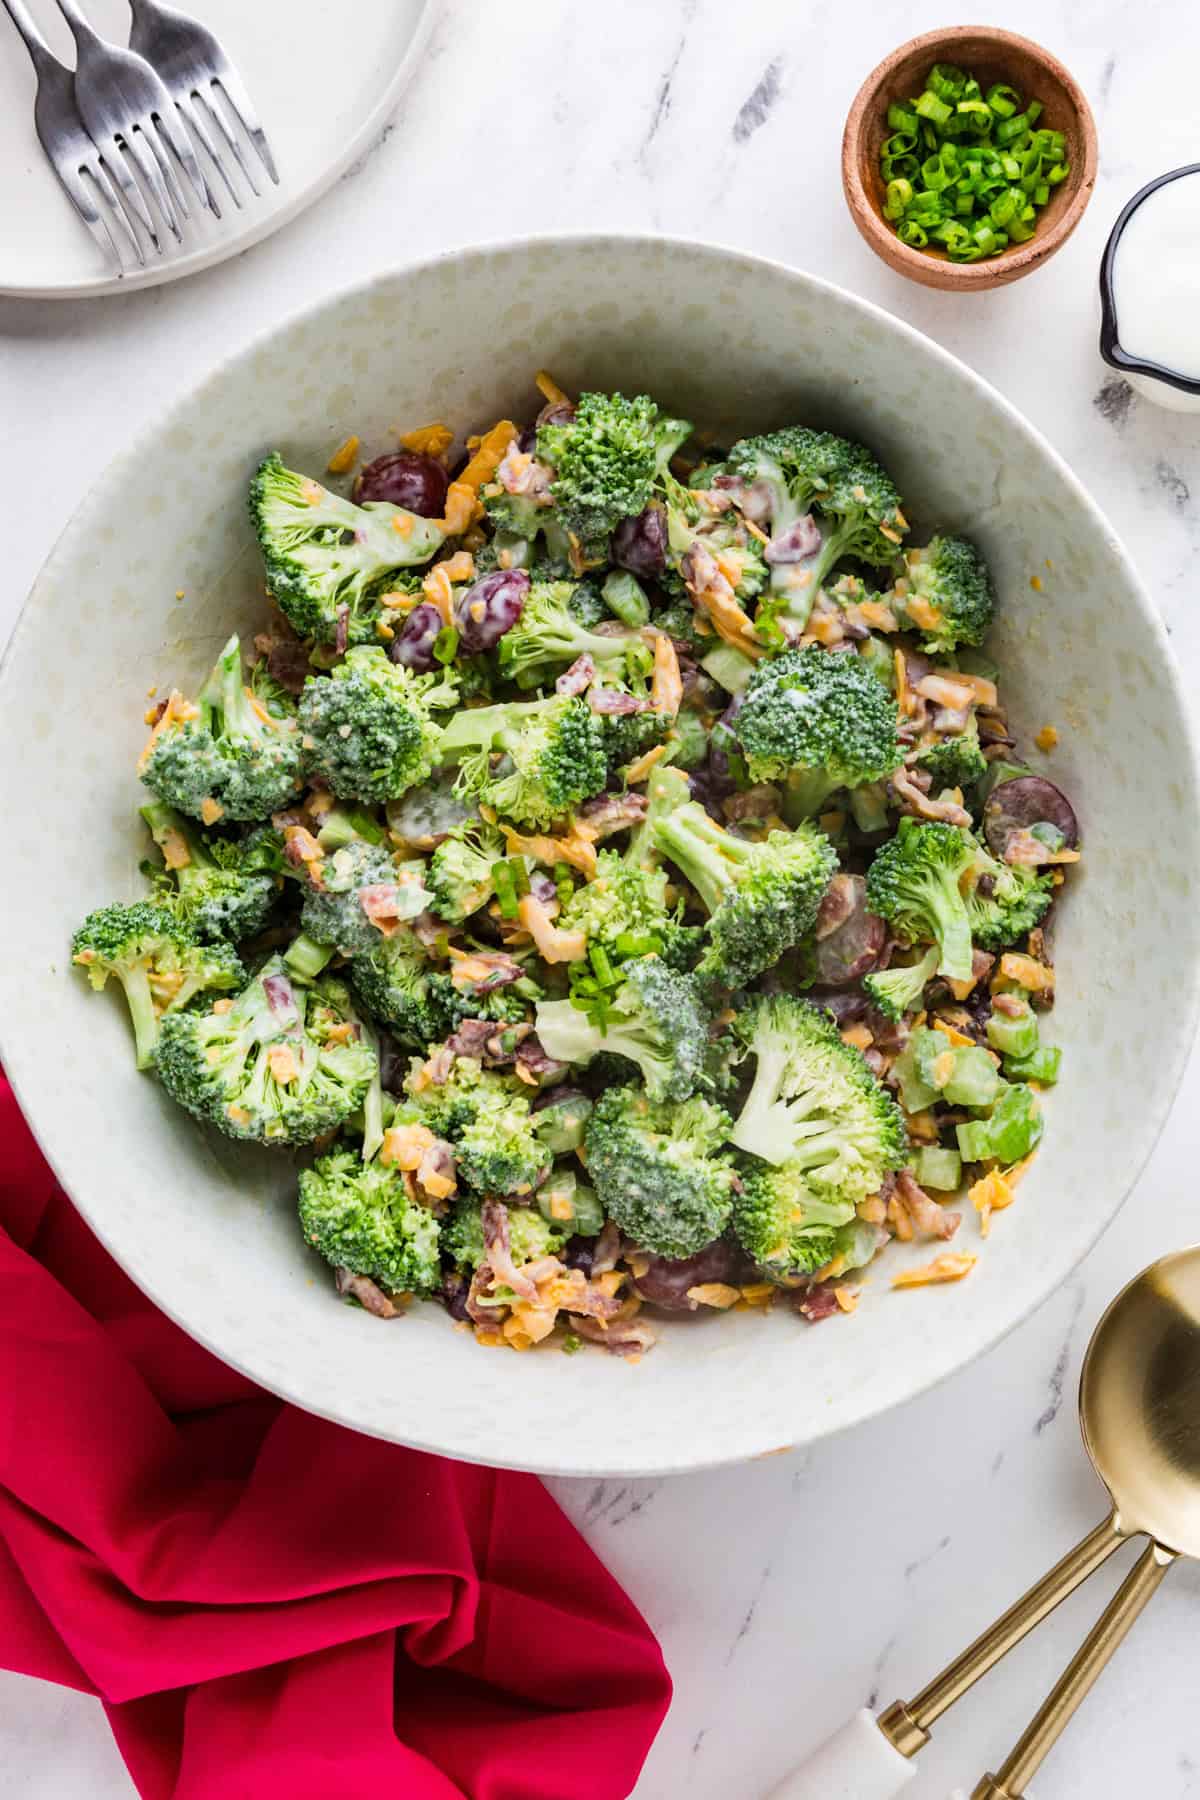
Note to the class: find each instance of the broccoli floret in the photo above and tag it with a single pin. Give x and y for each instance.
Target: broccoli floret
(283, 1065)
(531, 532)
(222, 887)
(156, 957)
(761, 897)
(796, 469)
(553, 751)
(368, 728)
(1012, 903)
(359, 1216)
(656, 1019)
(950, 580)
(328, 560)
(628, 735)
(488, 1120)
(460, 870)
(789, 1227)
(898, 990)
(660, 1169)
(818, 721)
(235, 753)
(722, 534)
(955, 762)
(605, 459)
(548, 637)
(915, 882)
(530, 1236)
(335, 914)
(814, 1103)
(393, 979)
(623, 907)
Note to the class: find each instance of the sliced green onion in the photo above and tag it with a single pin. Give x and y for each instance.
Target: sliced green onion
(1003, 100)
(910, 233)
(899, 195)
(445, 645)
(946, 80)
(902, 118)
(606, 975)
(505, 887)
(564, 884)
(931, 108)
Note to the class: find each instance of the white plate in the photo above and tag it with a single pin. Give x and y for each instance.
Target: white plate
(158, 565)
(323, 76)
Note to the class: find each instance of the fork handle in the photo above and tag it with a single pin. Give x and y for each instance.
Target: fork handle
(34, 42)
(82, 31)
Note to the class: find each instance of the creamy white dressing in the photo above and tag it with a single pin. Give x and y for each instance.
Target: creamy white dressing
(1156, 279)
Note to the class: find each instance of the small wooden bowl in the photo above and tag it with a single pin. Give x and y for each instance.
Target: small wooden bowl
(990, 56)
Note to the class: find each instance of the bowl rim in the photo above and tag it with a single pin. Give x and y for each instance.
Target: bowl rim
(124, 465)
(1111, 349)
(1021, 258)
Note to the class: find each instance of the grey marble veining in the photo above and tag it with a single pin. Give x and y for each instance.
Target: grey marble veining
(789, 1592)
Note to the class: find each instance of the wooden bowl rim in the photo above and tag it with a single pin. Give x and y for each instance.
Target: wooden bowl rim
(1018, 259)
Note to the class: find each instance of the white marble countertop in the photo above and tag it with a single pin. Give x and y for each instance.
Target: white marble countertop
(790, 1592)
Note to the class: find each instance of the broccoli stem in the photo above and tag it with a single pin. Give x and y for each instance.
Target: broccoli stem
(806, 792)
(954, 930)
(136, 982)
(704, 851)
(305, 958)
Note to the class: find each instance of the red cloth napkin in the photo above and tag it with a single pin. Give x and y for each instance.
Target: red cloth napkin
(268, 1604)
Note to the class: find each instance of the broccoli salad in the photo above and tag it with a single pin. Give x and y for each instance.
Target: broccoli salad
(613, 871)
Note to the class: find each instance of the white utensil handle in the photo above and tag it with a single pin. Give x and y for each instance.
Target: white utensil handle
(856, 1763)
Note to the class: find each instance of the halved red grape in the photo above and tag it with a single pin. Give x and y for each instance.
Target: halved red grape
(412, 647)
(406, 478)
(640, 544)
(488, 608)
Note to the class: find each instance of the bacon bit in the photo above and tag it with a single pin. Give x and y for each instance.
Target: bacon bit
(713, 594)
(951, 1267)
(437, 590)
(993, 1193)
(714, 1293)
(549, 389)
(344, 457)
(898, 1219)
(858, 1037)
(428, 440)
(553, 945)
(847, 1298)
(876, 614)
(175, 711)
(404, 1146)
(641, 768)
(381, 904)
(432, 1174)
(1047, 737)
(918, 803)
(211, 810)
(944, 692)
(282, 1063)
(300, 846)
(577, 848)
(1024, 972)
(666, 688)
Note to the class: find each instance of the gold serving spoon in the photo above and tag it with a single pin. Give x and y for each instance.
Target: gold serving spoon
(1139, 1407)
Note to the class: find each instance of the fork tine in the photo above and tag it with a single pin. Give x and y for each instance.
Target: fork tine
(114, 163)
(133, 142)
(99, 175)
(79, 192)
(212, 100)
(180, 143)
(148, 135)
(203, 135)
(231, 86)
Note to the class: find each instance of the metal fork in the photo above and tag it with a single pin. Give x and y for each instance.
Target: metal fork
(203, 83)
(129, 113)
(70, 151)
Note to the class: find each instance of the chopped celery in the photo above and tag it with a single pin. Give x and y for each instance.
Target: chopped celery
(1014, 1036)
(1042, 1064)
(1011, 1132)
(935, 1167)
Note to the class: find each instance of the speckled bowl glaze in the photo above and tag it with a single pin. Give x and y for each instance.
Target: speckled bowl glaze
(208, 1228)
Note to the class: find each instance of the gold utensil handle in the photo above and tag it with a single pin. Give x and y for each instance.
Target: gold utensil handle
(1078, 1677)
(906, 1725)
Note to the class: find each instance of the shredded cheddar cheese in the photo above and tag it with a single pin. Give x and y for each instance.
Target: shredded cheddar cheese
(1046, 738)
(922, 614)
(714, 1293)
(666, 687)
(437, 590)
(577, 848)
(428, 440)
(951, 1267)
(553, 945)
(642, 767)
(211, 810)
(177, 711)
(992, 1193)
(344, 457)
(549, 389)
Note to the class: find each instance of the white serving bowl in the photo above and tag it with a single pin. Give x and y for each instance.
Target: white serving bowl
(208, 1228)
